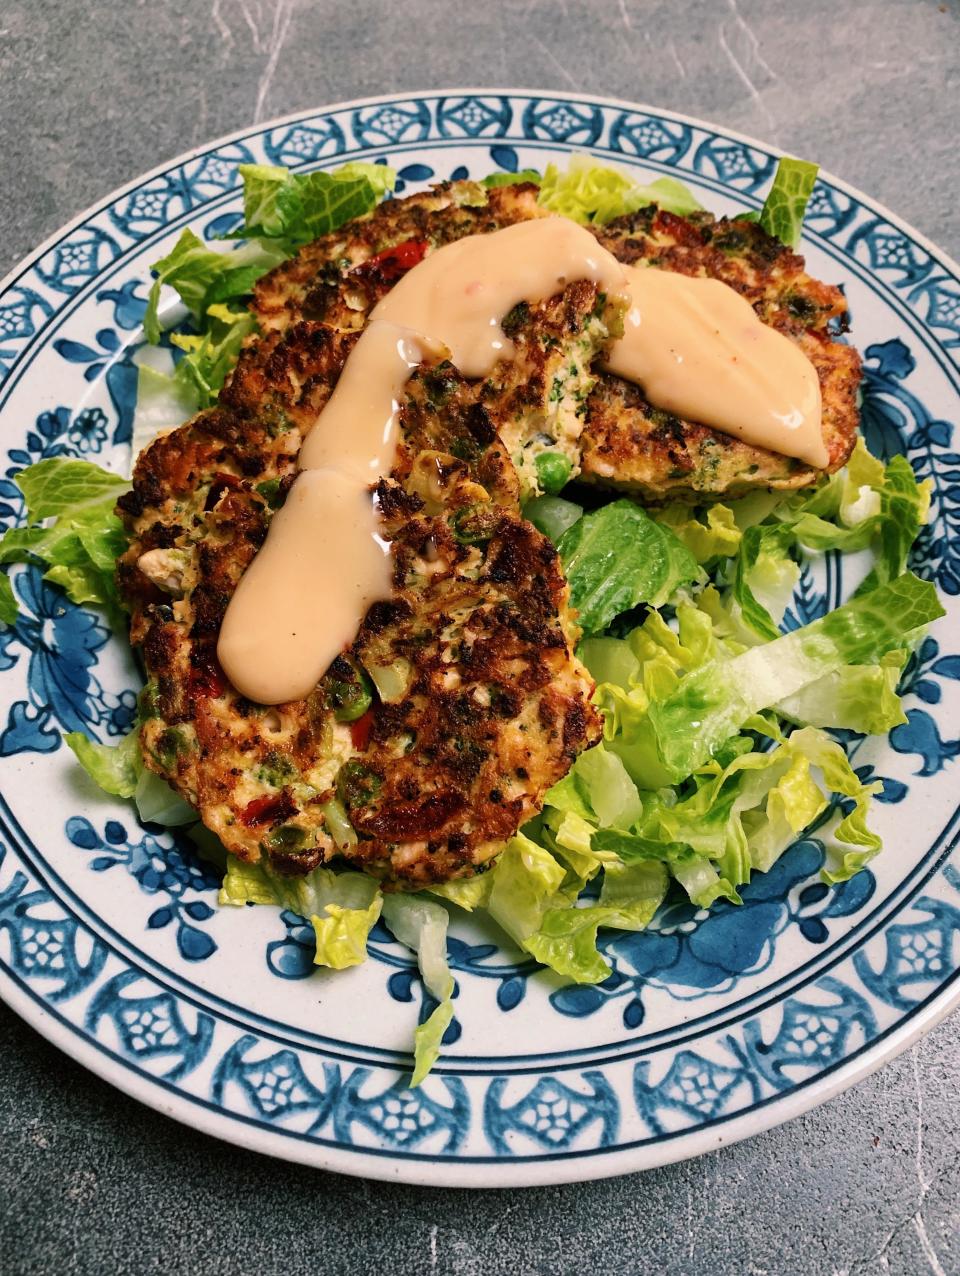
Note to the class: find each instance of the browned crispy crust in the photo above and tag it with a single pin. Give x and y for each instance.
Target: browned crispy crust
(625, 442)
(629, 444)
(496, 706)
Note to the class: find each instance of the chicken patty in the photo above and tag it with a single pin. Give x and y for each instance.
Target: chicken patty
(603, 426)
(477, 704)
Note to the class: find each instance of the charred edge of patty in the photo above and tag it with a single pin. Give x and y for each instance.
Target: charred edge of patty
(205, 491)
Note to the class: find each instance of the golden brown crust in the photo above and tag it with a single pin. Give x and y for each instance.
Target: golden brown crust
(495, 705)
(629, 444)
(491, 707)
(615, 437)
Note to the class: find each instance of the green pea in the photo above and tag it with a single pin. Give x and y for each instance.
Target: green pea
(553, 470)
(357, 785)
(349, 693)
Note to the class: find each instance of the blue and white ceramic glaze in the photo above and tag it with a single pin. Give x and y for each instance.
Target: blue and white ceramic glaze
(712, 1025)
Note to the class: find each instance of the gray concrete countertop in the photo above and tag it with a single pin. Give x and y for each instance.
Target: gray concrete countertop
(92, 94)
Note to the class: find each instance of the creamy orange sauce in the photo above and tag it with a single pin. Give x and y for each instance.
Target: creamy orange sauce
(700, 351)
(460, 293)
(695, 346)
(301, 600)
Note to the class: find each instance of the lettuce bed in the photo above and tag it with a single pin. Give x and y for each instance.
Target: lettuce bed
(716, 752)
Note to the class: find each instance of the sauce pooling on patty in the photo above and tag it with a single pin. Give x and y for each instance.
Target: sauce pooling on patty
(693, 342)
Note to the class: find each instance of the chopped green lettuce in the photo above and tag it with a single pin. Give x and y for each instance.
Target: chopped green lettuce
(164, 401)
(511, 179)
(116, 769)
(552, 515)
(713, 536)
(859, 698)
(204, 276)
(62, 486)
(866, 505)
(618, 557)
(209, 356)
(158, 803)
(468, 893)
(307, 895)
(783, 210)
(421, 925)
(590, 192)
(662, 738)
(295, 208)
(80, 547)
(525, 885)
(342, 907)
(341, 932)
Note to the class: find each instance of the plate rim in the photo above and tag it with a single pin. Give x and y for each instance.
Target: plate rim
(490, 1173)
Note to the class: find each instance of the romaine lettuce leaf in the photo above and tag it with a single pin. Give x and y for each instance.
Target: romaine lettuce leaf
(164, 401)
(158, 803)
(664, 739)
(80, 548)
(116, 769)
(552, 515)
(119, 770)
(868, 504)
(859, 698)
(341, 933)
(590, 192)
(421, 925)
(61, 485)
(468, 893)
(342, 907)
(714, 536)
(784, 208)
(308, 895)
(567, 938)
(618, 557)
(295, 208)
(511, 179)
(209, 356)
(524, 885)
(203, 276)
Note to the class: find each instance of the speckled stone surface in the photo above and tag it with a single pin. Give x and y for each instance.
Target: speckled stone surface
(92, 94)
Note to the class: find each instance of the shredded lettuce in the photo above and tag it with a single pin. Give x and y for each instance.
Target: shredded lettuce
(341, 933)
(664, 732)
(164, 401)
(79, 548)
(757, 540)
(552, 515)
(209, 356)
(158, 803)
(511, 179)
(860, 698)
(709, 537)
(421, 924)
(295, 208)
(116, 769)
(590, 192)
(618, 557)
(783, 210)
(203, 276)
(282, 211)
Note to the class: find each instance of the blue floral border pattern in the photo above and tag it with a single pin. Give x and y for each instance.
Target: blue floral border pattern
(460, 1113)
(476, 1114)
(80, 257)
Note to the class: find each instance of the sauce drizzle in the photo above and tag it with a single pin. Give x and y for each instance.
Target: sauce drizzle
(696, 346)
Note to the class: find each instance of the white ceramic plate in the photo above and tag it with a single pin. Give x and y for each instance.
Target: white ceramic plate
(713, 1025)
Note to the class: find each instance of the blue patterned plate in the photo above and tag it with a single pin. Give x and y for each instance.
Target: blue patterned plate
(712, 1026)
